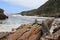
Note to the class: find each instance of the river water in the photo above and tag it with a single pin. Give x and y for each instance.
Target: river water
(14, 21)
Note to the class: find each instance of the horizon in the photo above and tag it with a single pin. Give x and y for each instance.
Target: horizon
(14, 6)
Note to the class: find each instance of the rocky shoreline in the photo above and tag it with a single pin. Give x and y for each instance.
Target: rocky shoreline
(2, 15)
(31, 31)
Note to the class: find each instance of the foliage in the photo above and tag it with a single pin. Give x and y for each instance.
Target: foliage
(51, 7)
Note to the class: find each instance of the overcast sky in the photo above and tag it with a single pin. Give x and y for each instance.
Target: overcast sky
(14, 6)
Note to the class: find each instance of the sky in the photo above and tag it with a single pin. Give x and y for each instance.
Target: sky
(16, 6)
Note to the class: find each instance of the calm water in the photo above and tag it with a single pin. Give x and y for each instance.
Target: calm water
(15, 21)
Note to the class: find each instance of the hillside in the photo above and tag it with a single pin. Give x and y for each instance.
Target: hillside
(50, 8)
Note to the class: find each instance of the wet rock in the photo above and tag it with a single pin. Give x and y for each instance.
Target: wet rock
(55, 36)
(2, 15)
(2, 34)
(46, 25)
(57, 28)
(49, 22)
(45, 29)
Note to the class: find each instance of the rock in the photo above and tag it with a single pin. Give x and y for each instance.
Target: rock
(30, 32)
(26, 32)
(2, 34)
(49, 22)
(45, 29)
(54, 36)
(57, 28)
(33, 34)
(2, 15)
(18, 33)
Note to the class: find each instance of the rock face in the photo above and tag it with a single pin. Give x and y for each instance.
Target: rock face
(2, 15)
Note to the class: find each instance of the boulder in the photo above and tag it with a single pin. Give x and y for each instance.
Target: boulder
(2, 15)
(2, 34)
(56, 27)
(49, 22)
(54, 36)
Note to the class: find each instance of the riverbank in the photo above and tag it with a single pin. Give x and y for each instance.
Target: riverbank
(31, 31)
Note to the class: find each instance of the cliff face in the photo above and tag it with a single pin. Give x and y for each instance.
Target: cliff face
(2, 15)
(50, 8)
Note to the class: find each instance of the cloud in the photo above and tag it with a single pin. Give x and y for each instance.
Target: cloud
(27, 3)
